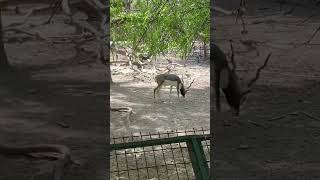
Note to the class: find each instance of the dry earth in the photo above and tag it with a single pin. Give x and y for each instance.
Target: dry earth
(163, 114)
(51, 86)
(277, 135)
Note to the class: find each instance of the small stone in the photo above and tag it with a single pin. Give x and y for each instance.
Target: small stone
(244, 146)
(33, 91)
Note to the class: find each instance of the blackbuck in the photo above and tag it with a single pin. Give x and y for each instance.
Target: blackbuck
(170, 80)
(226, 79)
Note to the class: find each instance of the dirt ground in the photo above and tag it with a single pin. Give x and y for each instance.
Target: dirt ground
(277, 134)
(51, 86)
(161, 114)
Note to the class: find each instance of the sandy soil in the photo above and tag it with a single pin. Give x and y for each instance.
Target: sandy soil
(260, 146)
(50, 85)
(161, 114)
(158, 116)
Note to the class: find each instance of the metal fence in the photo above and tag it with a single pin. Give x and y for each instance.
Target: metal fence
(175, 155)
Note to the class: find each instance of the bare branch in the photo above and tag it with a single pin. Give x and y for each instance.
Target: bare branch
(221, 10)
(313, 35)
(240, 10)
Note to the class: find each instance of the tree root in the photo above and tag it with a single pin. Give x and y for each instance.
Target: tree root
(28, 14)
(45, 151)
(17, 30)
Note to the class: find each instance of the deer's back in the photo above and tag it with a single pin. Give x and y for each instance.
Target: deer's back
(218, 58)
(168, 79)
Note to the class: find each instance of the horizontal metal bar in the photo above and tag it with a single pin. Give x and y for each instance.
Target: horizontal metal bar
(154, 142)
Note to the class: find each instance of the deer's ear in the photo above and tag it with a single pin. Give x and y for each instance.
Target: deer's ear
(224, 78)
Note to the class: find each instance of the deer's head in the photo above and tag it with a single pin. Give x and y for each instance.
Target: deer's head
(184, 90)
(229, 83)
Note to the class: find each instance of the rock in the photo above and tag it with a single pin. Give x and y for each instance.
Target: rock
(243, 146)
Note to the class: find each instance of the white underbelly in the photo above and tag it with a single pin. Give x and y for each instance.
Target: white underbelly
(169, 83)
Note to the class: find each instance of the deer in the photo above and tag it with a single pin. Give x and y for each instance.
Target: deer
(170, 80)
(227, 81)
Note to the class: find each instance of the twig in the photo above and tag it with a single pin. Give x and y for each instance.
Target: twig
(283, 116)
(310, 116)
(240, 10)
(62, 124)
(221, 10)
(291, 10)
(313, 35)
(258, 124)
(278, 117)
(306, 19)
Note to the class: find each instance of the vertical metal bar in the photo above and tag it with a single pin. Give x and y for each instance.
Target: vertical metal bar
(184, 161)
(125, 154)
(155, 160)
(135, 157)
(145, 157)
(174, 159)
(115, 152)
(164, 158)
(198, 159)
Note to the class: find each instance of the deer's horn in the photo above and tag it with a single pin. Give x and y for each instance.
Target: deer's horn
(187, 89)
(253, 80)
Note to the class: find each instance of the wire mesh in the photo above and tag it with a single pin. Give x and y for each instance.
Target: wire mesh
(161, 161)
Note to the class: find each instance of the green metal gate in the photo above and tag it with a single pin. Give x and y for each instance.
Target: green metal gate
(176, 155)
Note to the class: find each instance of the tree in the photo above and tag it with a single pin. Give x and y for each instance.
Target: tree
(161, 26)
(4, 64)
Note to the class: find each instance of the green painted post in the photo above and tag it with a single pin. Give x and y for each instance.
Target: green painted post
(198, 159)
(195, 149)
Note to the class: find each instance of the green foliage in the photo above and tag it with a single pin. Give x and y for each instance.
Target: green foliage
(158, 26)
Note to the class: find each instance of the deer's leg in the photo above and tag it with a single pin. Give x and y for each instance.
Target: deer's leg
(170, 93)
(217, 90)
(156, 90)
(178, 89)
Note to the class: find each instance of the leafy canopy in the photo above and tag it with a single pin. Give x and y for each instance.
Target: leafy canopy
(153, 27)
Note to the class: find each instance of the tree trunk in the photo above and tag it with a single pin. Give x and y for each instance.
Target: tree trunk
(109, 77)
(205, 51)
(4, 64)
